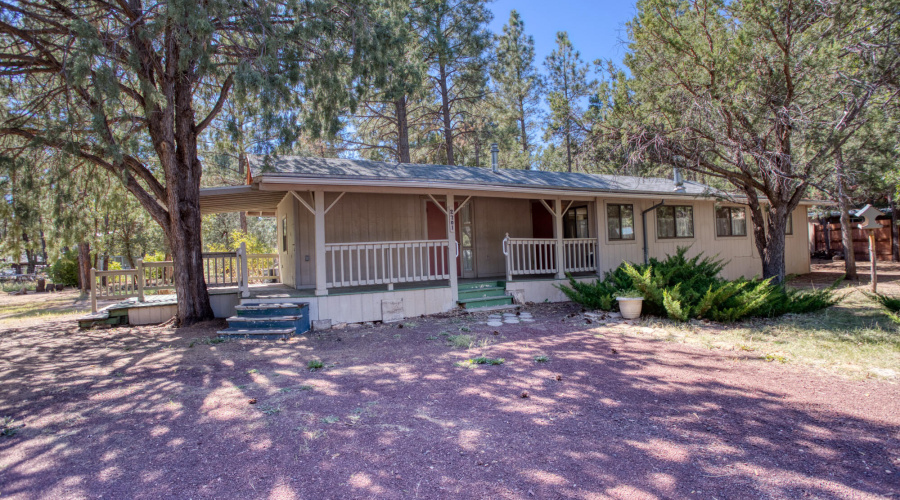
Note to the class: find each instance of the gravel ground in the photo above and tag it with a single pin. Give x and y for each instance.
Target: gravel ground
(157, 412)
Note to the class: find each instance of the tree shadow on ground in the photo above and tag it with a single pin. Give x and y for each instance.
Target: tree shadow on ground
(153, 412)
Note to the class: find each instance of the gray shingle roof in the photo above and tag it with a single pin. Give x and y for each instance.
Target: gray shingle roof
(345, 169)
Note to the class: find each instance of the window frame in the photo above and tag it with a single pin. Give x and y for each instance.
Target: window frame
(284, 233)
(621, 237)
(674, 209)
(731, 210)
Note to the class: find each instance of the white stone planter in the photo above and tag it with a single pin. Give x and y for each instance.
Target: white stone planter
(630, 307)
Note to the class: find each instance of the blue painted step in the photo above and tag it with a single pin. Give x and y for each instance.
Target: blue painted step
(256, 320)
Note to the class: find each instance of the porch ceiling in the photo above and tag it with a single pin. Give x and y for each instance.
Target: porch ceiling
(239, 199)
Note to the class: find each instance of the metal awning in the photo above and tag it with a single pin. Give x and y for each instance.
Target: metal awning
(239, 199)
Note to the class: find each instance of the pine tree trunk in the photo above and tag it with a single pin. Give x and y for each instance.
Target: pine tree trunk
(243, 222)
(522, 128)
(84, 266)
(773, 257)
(445, 111)
(402, 131)
(895, 229)
(185, 221)
(846, 229)
(769, 237)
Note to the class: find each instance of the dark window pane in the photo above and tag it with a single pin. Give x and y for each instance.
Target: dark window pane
(665, 222)
(612, 222)
(627, 212)
(738, 222)
(723, 228)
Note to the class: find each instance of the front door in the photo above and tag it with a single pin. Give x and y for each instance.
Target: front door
(465, 235)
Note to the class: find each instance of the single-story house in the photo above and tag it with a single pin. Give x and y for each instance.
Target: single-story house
(368, 241)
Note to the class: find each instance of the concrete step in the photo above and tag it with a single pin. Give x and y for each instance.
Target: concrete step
(478, 293)
(257, 333)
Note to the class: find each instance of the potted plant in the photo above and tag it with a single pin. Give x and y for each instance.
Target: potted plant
(630, 303)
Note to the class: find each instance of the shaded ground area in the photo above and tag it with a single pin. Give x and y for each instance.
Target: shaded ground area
(154, 412)
(825, 272)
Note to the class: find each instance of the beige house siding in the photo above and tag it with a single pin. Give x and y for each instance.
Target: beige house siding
(364, 217)
(494, 217)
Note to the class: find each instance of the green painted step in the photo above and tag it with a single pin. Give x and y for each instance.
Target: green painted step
(482, 284)
(505, 300)
(479, 293)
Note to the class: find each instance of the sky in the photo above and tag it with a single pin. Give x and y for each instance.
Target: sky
(596, 28)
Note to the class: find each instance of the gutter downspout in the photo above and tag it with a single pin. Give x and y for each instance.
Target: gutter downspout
(644, 229)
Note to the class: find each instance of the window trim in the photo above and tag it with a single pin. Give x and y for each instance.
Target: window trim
(675, 218)
(633, 223)
(730, 219)
(284, 233)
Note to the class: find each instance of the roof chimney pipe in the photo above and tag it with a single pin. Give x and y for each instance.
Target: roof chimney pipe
(679, 181)
(494, 150)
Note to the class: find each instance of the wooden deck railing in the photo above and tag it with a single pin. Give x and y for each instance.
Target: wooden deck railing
(220, 269)
(534, 256)
(579, 254)
(525, 256)
(386, 262)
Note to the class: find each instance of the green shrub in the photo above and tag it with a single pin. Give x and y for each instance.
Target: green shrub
(682, 288)
(891, 305)
(64, 271)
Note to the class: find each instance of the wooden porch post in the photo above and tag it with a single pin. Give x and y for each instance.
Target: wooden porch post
(319, 204)
(139, 267)
(558, 229)
(93, 291)
(451, 248)
(598, 225)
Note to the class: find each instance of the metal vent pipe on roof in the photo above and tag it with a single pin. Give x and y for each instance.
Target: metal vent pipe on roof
(494, 162)
(679, 180)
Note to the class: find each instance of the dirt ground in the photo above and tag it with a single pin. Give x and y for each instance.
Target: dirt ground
(158, 412)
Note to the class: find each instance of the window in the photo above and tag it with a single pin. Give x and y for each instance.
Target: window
(575, 223)
(284, 234)
(731, 221)
(620, 222)
(675, 222)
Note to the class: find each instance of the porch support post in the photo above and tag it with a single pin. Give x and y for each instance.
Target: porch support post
(558, 229)
(452, 248)
(598, 225)
(319, 204)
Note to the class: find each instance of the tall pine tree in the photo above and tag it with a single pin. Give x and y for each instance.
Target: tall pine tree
(567, 86)
(517, 84)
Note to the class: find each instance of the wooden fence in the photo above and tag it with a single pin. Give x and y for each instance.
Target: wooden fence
(819, 244)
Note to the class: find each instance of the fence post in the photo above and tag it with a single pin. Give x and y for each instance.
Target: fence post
(505, 245)
(244, 278)
(139, 267)
(93, 291)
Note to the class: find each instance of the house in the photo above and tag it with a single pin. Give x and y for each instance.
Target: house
(363, 240)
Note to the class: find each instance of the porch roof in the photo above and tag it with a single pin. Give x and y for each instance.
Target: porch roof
(239, 199)
(348, 172)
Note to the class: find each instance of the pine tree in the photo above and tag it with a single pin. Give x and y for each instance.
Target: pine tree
(129, 88)
(567, 87)
(454, 39)
(517, 84)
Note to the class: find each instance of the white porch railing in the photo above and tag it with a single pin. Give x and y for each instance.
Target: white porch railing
(386, 262)
(220, 269)
(526, 256)
(579, 255)
(533, 256)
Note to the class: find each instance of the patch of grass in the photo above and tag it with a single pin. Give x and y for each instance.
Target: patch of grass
(270, 410)
(213, 340)
(314, 365)
(431, 337)
(8, 427)
(305, 388)
(465, 329)
(461, 341)
(891, 305)
(855, 338)
(541, 359)
(330, 419)
(481, 360)
(253, 370)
